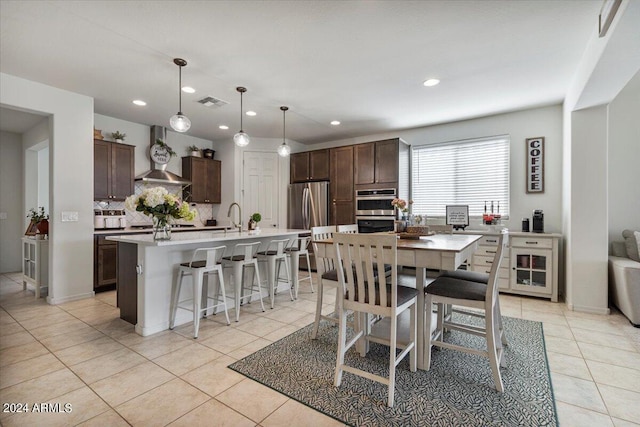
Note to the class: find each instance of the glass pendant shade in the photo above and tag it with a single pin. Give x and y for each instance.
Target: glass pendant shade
(180, 122)
(284, 150)
(241, 139)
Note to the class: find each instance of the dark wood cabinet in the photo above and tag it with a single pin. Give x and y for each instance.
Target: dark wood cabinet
(377, 162)
(113, 170)
(310, 166)
(105, 264)
(205, 176)
(341, 188)
(128, 282)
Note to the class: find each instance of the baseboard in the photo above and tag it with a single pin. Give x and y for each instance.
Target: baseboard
(182, 317)
(592, 310)
(56, 301)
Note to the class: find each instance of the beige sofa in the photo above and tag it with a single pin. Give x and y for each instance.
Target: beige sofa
(624, 276)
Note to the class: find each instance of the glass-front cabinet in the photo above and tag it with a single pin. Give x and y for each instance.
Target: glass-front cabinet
(531, 270)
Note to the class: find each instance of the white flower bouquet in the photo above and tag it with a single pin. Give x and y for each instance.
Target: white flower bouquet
(158, 203)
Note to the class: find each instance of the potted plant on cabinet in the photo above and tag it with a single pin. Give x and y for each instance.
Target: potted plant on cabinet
(194, 150)
(118, 136)
(40, 219)
(254, 220)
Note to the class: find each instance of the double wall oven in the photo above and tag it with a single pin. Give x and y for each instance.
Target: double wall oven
(374, 211)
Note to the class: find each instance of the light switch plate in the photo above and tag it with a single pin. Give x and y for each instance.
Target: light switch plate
(69, 216)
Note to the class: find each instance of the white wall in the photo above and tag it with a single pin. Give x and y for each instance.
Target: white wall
(12, 227)
(607, 66)
(71, 181)
(543, 121)
(624, 160)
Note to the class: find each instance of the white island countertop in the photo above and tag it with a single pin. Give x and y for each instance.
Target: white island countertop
(191, 237)
(147, 270)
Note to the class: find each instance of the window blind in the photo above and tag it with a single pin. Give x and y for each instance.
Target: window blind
(467, 172)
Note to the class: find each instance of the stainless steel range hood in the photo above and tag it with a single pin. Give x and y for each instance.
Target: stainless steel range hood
(158, 173)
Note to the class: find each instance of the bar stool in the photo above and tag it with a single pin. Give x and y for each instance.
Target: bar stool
(197, 270)
(243, 255)
(274, 255)
(299, 247)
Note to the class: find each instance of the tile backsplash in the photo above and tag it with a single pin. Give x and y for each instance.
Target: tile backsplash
(204, 211)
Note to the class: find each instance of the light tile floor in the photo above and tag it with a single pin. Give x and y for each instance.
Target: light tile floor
(82, 353)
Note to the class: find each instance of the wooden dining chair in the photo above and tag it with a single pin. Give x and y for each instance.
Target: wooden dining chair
(348, 228)
(367, 294)
(327, 274)
(466, 293)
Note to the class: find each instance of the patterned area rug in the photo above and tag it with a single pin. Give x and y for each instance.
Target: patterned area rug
(457, 390)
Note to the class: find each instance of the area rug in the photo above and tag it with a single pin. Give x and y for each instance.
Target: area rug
(457, 391)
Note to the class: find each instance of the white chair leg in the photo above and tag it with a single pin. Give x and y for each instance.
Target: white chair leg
(175, 295)
(271, 278)
(393, 342)
(427, 331)
(491, 325)
(197, 301)
(316, 322)
(224, 296)
(503, 336)
(309, 271)
(257, 275)
(413, 354)
(287, 270)
(237, 278)
(342, 343)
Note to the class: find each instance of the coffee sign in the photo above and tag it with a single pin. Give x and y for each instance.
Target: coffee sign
(535, 165)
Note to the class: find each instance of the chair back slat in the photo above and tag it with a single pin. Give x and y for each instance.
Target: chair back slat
(348, 228)
(359, 253)
(323, 264)
(212, 255)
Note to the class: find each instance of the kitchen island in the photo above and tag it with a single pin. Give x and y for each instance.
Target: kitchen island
(147, 269)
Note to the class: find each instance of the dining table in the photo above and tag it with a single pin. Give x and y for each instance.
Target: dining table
(434, 252)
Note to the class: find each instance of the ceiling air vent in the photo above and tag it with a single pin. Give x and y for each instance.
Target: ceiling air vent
(211, 102)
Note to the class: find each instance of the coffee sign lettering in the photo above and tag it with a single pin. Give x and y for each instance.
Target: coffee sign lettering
(535, 165)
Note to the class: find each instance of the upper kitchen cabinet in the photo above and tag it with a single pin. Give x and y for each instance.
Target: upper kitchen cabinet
(310, 166)
(205, 177)
(377, 163)
(342, 208)
(113, 170)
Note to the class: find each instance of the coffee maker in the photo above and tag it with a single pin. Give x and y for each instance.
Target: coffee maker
(538, 221)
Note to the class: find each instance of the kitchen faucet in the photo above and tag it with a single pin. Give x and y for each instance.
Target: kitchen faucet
(239, 225)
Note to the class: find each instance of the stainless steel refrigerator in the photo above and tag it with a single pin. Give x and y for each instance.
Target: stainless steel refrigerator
(308, 207)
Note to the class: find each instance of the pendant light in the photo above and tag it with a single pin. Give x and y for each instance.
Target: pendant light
(180, 122)
(284, 150)
(241, 138)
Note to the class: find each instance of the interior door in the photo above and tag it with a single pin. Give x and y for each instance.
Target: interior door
(260, 192)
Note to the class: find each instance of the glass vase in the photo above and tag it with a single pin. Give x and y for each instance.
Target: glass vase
(161, 229)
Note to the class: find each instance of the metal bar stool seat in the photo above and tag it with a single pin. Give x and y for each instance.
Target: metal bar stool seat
(199, 270)
(297, 249)
(274, 255)
(244, 255)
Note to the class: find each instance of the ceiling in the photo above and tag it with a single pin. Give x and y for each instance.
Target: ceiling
(359, 62)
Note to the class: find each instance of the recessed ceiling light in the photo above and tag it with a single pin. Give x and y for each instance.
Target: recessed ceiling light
(139, 102)
(431, 82)
(335, 123)
(223, 127)
(188, 89)
(251, 113)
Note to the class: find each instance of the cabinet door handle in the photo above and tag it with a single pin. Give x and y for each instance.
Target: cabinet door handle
(489, 262)
(491, 252)
(531, 243)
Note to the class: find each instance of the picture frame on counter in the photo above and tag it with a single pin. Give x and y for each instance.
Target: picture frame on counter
(535, 165)
(458, 216)
(32, 229)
